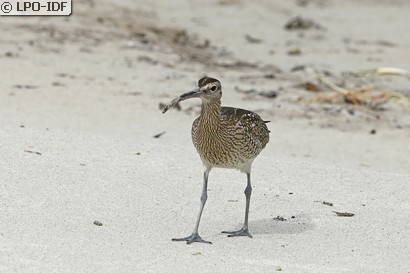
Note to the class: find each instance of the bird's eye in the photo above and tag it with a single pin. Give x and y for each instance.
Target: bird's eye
(213, 88)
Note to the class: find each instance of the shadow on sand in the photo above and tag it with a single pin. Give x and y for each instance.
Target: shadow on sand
(299, 224)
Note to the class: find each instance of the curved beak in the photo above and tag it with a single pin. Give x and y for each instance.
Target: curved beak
(189, 95)
(196, 93)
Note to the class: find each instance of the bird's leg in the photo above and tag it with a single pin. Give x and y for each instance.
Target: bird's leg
(244, 231)
(194, 237)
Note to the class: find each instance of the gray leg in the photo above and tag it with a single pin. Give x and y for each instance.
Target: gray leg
(194, 237)
(244, 231)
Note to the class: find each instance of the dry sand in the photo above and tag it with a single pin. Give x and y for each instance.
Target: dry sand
(79, 106)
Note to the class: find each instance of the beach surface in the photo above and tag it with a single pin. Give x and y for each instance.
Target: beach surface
(94, 178)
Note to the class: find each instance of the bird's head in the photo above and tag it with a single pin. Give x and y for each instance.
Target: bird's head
(208, 90)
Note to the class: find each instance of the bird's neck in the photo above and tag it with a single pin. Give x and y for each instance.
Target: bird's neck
(211, 113)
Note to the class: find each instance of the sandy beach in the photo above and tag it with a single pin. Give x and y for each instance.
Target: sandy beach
(94, 178)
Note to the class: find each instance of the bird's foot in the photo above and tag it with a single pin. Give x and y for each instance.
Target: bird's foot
(241, 232)
(194, 237)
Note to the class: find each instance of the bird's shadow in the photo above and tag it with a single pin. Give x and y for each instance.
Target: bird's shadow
(293, 225)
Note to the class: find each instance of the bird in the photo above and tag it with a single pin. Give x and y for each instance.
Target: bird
(224, 137)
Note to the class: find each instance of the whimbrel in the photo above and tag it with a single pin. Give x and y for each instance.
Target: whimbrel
(225, 137)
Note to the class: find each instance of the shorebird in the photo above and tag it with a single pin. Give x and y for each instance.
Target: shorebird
(224, 137)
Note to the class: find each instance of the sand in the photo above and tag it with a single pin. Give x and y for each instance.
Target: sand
(80, 106)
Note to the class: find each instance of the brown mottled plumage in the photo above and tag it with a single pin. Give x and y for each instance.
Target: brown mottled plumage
(237, 135)
(225, 137)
